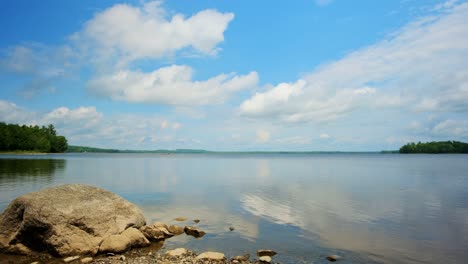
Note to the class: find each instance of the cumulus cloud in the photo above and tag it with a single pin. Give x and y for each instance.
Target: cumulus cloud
(421, 67)
(87, 126)
(146, 31)
(451, 128)
(11, 113)
(172, 85)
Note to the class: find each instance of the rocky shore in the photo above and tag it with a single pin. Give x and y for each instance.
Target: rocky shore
(84, 224)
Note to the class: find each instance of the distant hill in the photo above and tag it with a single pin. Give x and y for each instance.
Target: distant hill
(83, 149)
(435, 147)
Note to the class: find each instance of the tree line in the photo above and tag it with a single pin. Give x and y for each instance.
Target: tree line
(14, 137)
(435, 147)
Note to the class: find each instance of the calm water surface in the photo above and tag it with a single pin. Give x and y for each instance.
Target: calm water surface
(369, 208)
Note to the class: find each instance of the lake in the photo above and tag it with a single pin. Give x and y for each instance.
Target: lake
(368, 208)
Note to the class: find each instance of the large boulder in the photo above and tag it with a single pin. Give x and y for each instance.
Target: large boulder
(66, 220)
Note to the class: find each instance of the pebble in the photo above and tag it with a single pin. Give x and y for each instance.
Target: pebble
(70, 259)
(177, 252)
(333, 258)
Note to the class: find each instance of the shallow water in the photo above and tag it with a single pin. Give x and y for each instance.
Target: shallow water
(368, 208)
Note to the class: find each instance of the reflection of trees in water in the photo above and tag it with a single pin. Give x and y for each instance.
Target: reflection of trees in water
(24, 169)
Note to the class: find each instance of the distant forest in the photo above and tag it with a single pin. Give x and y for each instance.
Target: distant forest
(15, 137)
(435, 147)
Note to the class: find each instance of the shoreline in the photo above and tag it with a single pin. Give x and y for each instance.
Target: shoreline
(155, 253)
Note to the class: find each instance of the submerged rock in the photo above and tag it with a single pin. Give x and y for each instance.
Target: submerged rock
(231, 228)
(66, 220)
(266, 252)
(196, 221)
(193, 231)
(180, 219)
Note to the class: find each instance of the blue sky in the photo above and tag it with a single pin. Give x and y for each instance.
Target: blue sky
(238, 75)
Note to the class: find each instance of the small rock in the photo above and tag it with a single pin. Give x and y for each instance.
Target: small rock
(176, 230)
(110, 254)
(35, 262)
(193, 231)
(180, 219)
(123, 258)
(212, 256)
(87, 260)
(266, 252)
(333, 258)
(177, 252)
(231, 228)
(265, 259)
(196, 221)
(235, 261)
(242, 258)
(70, 259)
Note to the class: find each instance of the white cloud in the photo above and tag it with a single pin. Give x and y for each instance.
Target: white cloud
(87, 126)
(423, 65)
(263, 136)
(172, 85)
(11, 113)
(139, 32)
(451, 128)
(324, 136)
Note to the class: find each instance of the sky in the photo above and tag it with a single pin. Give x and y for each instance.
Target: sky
(308, 75)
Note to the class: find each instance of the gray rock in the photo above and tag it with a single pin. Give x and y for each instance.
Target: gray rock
(130, 238)
(66, 220)
(193, 231)
(266, 252)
